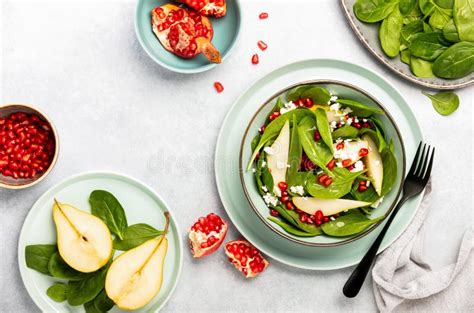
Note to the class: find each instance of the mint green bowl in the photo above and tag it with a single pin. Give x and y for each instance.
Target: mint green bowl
(226, 33)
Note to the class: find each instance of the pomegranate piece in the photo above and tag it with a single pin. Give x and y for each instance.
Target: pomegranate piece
(217, 8)
(218, 86)
(255, 59)
(263, 46)
(207, 234)
(245, 257)
(184, 32)
(263, 15)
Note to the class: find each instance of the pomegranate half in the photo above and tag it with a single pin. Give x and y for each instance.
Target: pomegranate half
(245, 257)
(207, 234)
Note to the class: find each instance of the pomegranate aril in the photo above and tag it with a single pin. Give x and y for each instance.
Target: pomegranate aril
(261, 130)
(327, 182)
(363, 152)
(322, 178)
(282, 186)
(274, 115)
(219, 87)
(340, 146)
(255, 59)
(263, 15)
(274, 213)
(289, 205)
(317, 136)
(308, 102)
(325, 219)
(299, 103)
(331, 164)
(346, 162)
(263, 46)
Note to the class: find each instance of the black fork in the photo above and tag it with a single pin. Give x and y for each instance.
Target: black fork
(414, 184)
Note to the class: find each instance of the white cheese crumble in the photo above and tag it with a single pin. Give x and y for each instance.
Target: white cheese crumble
(338, 164)
(356, 120)
(253, 170)
(264, 188)
(358, 166)
(347, 110)
(367, 183)
(287, 107)
(269, 150)
(376, 203)
(333, 98)
(349, 121)
(264, 163)
(297, 189)
(335, 107)
(364, 120)
(270, 199)
(332, 218)
(333, 125)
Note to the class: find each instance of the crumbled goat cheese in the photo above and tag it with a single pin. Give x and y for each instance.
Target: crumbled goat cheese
(358, 166)
(287, 107)
(347, 110)
(264, 163)
(364, 120)
(338, 164)
(335, 107)
(253, 170)
(269, 150)
(297, 189)
(349, 121)
(264, 188)
(332, 218)
(376, 203)
(356, 120)
(270, 199)
(333, 98)
(333, 125)
(367, 183)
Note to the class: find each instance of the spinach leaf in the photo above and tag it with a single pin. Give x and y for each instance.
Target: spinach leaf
(450, 32)
(426, 46)
(350, 224)
(414, 15)
(369, 195)
(440, 17)
(273, 129)
(267, 179)
(371, 11)
(456, 62)
(37, 257)
(389, 171)
(254, 142)
(290, 229)
(389, 33)
(324, 128)
(318, 94)
(101, 303)
(463, 14)
(106, 207)
(135, 235)
(346, 131)
(293, 218)
(446, 4)
(407, 6)
(444, 103)
(409, 30)
(82, 291)
(359, 109)
(57, 292)
(405, 56)
(421, 68)
(318, 152)
(426, 6)
(295, 93)
(59, 269)
(294, 155)
(341, 185)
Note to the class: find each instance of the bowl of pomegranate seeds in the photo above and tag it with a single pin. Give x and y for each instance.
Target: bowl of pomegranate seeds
(322, 163)
(29, 146)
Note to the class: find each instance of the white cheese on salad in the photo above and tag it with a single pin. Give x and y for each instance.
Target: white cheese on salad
(335, 107)
(297, 190)
(287, 107)
(270, 199)
(358, 166)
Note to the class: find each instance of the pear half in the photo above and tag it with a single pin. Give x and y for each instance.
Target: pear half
(374, 164)
(327, 206)
(135, 277)
(278, 159)
(84, 241)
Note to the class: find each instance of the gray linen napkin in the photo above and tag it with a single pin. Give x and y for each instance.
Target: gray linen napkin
(403, 282)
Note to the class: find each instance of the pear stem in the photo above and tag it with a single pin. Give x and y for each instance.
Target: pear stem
(165, 231)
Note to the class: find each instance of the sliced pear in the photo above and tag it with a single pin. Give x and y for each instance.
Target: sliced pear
(278, 159)
(135, 277)
(350, 151)
(374, 164)
(84, 241)
(327, 206)
(333, 116)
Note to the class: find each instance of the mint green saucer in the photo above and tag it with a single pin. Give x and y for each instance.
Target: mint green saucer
(226, 33)
(141, 204)
(228, 174)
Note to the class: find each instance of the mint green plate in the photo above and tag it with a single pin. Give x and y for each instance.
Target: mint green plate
(226, 33)
(228, 174)
(141, 204)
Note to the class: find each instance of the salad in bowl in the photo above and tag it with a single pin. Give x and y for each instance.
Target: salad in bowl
(323, 159)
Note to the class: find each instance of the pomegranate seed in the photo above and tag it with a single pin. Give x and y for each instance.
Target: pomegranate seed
(322, 178)
(325, 219)
(366, 125)
(318, 215)
(363, 152)
(346, 162)
(282, 185)
(317, 136)
(299, 103)
(274, 213)
(263, 15)
(289, 205)
(284, 199)
(263, 46)
(308, 102)
(356, 125)
(363, 182)
(327, 182)
(362, 188)
(303, 218)
(340, 146)
(255, 59)
(218, 86)
(284, 193)
(274, 115)
(261, 130)
(331, 164)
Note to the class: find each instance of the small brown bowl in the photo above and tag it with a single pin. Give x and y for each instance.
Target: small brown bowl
(20, 183)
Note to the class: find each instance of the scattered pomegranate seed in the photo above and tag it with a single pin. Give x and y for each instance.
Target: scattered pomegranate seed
(308, 102)
(284, 193)
(322, 178)
(263, 15)
(303, 218)
(284, 199)
(363, 152)
(299, 103)
(261, 130)
(289, 205)
(357, 125)
(331, 164)
(325, 219)
(366, 125)
(274, 115)
(219, 87)
(274, 213)
(327, 182)
(283, 186)
(346, 162)
(340, 146)
(255, 59)
(263, 46)
(362, 186)
(317, 136)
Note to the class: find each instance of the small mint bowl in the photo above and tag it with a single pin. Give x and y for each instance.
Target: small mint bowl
(226, 33)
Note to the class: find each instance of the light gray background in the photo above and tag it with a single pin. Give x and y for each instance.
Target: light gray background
(117, 110)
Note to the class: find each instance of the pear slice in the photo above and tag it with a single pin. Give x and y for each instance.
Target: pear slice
(373, 161)
(277, 158)
(350, 151)
(84, 241)
(327, 206)
(135, 277)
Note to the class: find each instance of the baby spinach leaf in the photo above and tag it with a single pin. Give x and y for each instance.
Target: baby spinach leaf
(406, 6)
(295, 93)
(421, 68)
(290, 229)
(440, 17)
(426, 46)
(293, 218)
(318, 152)
(359, 109)
(135, 235)
(346, 131)
(59, 269)
(37, 257)
(389, 171)
(82, 291)
(414, 15)
(409, 30)
(463, 14)
(350, 224)
(371, 11)
(389, 33)
(324, 128)
(405, 56)
(341, 185)
(105, 206)
(267, 179)
(456, 62)
(318, 94)
(294, 155)
(450, 32)
(446, 4)
(254, 142)
(426, 6)
(101, 303)
(273, 129)
(369, 195)
(444, 103)
(57, 292)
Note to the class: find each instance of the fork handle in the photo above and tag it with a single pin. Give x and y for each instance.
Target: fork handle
(357, 278)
